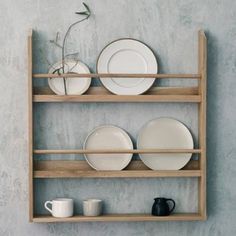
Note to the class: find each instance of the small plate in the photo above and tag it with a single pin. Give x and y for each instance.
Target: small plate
(108, 137)
(74, 86)
(127, 56)
(165, 133)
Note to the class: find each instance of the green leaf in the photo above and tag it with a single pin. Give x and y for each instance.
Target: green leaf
(87, 8)
(85, 13)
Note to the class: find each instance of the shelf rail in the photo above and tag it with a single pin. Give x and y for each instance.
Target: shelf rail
(118, 75)
(114, 151)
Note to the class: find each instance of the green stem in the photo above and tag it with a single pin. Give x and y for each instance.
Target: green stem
(63, 48)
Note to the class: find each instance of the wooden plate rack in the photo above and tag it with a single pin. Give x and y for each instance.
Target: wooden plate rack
(136, 169)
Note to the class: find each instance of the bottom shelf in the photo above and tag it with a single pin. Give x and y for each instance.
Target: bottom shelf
(120, 218)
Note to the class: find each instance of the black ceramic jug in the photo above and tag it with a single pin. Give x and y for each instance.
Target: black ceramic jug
(161, 208)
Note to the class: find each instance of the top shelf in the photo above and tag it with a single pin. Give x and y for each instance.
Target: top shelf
(100, 94)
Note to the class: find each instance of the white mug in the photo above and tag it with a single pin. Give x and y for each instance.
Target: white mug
(92, 207)
(61, 207)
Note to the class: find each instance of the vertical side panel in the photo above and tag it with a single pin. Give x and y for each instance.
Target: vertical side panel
(202, 67)
(30, 126)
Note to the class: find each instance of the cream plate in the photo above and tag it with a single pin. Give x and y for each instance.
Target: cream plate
(165, 133)
(127, 56)
(74, 86)
(108, 137)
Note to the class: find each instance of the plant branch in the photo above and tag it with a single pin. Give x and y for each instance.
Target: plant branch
(86, 13)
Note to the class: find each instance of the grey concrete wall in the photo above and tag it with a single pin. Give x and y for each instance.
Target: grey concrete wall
(169, 27)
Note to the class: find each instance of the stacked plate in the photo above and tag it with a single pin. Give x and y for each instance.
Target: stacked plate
(162, 133)
(121, 56)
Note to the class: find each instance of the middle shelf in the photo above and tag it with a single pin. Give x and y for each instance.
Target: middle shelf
(136, 169)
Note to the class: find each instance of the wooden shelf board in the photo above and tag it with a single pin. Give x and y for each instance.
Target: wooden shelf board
(81, 169)
(99, 90)
(115, 174)
(100, 94)
(117, 98)
(120, 218)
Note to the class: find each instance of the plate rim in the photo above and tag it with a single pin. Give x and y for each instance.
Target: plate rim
(170, 118)
(131, 39)
(70, 61)
(109, 126)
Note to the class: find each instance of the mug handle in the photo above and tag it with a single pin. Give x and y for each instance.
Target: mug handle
(171, 200)
(45, 205)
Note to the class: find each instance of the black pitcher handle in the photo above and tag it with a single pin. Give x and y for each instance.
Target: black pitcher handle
(171, 200)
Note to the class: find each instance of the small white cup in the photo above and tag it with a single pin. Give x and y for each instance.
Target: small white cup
(92, 207)
(61, 207)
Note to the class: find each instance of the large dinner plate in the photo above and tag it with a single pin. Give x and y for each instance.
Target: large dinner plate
(127, 56)
(108, 137)
(74, 86)
(165, 133)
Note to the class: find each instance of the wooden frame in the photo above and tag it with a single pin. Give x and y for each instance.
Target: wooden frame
(136, 169)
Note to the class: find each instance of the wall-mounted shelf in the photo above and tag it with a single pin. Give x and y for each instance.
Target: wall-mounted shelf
(136, 169)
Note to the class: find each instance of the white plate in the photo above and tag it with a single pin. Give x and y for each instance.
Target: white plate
(108, 137)
(165, 133)
(127, 56)
(74, 86)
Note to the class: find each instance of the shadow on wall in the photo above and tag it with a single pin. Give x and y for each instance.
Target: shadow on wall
(212, 164)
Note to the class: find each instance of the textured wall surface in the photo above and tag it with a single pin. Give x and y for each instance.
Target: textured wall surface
(169, 27)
